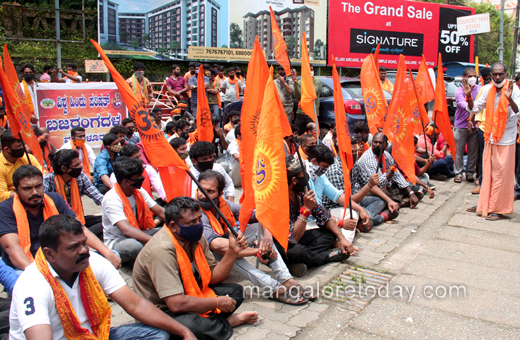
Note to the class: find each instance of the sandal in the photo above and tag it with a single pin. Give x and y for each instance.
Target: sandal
(306, 294)
(493, 217)
(290, 299)
(472, 209)
(470, 178)
(458, 179)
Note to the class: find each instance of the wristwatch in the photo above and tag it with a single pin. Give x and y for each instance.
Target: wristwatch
(411, 193)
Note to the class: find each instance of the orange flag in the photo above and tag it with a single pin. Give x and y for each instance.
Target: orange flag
(269, 169)
(204, 124)
(342, 132)
(399, 124)
(251, 107)
(158, 150)
(10, 71)
(280, 48)
(441, 116)
(420, 115)
(307, 86)
(19, 118)
(423, 83)
(373, 95)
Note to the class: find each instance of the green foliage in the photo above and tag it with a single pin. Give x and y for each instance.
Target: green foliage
(224, 46)
(124, 36)
(235, 36)
(317, 49)
(146, 39)
(291, 43)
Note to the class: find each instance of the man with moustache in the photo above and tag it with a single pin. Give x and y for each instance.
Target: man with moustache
(176, 85)
(285, 86)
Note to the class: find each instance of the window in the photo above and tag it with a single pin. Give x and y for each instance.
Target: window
(112, 21)
(101, 19)
(326, 91)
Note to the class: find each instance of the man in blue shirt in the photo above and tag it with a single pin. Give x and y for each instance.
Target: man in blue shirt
(104, 165)
(192, 85)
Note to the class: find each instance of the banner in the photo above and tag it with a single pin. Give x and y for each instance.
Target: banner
(95, 66)
(401, 27)
(94, 106)
(212, 53)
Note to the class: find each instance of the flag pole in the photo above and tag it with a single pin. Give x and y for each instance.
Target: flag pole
(424, 133)
(230, 227)
(318, 132)
(380, 165)
(300, 158)
(350, 206)
(24, 148)
(260, 235)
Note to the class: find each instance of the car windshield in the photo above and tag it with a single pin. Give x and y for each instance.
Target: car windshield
(354, 89)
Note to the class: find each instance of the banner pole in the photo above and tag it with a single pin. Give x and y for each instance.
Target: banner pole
(434, 127)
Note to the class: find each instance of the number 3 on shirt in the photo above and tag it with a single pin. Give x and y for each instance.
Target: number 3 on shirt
(29, 303)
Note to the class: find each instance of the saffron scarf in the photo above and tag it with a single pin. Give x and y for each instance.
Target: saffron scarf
(72, 73)
(496, 120)
(144, 220)
(218, 225)
(27, 94)
(46, 151)
(191, 287)
(85, 160)
(218, 94)
(3, 121)
(138, 92)
(302, 154)
(75, 197)
(92, 296)
(22, 223)
(235, 82)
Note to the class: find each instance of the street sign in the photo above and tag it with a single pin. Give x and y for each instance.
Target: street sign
(473, 24)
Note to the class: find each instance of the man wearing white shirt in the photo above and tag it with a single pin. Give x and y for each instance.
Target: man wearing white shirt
(29, 85)
(77, 142)
(231, 88)
(50, 293)
(501, 99)
(202, 155)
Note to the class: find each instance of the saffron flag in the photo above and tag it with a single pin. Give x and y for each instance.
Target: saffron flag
(399, 124)
(204, 123)
(19, 118)
(269, 170)
(342, 132)
(307, 84)
(280, 48)
(373, 95)
(12, 76)
(441, 117)
(158, 151)
(419, 113)
(423, 83)
(251, 107)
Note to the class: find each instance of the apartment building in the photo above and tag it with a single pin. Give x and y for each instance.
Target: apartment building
(108, 17)
(132, 23)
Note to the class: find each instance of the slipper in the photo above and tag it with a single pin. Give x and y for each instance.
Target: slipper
(290, 299)
(458, 179)
(470, 178)
(472, 209)
(493, 217)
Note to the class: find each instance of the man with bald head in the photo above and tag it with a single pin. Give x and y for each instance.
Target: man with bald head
(307, 141)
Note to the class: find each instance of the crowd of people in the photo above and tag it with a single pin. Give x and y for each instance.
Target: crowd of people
(181, 251)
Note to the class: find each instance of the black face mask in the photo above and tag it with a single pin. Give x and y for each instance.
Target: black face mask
(192, 72)
(203, 166)
(74, 172)
(301, 185)
(28, 76)
(376, 150)
(206, 205)
(138, 183)
(238, 74)
(236, 120)
(17, 153)
(232, 77)
(185, 135)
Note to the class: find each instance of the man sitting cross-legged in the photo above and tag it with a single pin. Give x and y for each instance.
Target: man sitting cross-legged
(216, 233)
(177, 272)
(127, 210)
(62, 294)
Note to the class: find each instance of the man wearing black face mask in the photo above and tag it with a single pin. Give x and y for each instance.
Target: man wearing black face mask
(12, 157)
(182, 129)
(71, 183)
(127, 211)
(28, 85)
(47, 148)
(140, 85)
(202, 155)
(306, 142)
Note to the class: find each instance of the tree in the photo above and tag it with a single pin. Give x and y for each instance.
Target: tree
(124, 36)
(135, 43)
(291, 43)
(235, 34)
(146, 39)
(175, 46)
(317, 49)
(162, 51)
(224, 46)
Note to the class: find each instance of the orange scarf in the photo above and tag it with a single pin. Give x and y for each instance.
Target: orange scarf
(72, 73)
(24, 231)
(191, 287)
(28, 97)
(86, 162)
(220, 227)
(140, 93)
(218, 94)
(144, 216)
(46, 151)
(235, 82)
(92, 296)
(304, 156)
(291, 150)
(334, 151)
(75, 197)
(3, 121)
(496, 121)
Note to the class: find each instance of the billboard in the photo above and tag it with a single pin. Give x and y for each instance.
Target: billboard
(401, 27)
(94, 106)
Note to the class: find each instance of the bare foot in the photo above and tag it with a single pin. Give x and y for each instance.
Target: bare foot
(243, 318)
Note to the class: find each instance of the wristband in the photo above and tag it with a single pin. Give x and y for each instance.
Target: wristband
(370, 186)
(339, 223)
(305, 212)
(302, 219)
(393, 168)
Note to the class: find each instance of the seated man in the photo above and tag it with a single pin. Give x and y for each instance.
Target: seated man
(233, 156)
(390, 179)
(23, 214)
(182, 129)
(8, 278)
(169, 130)
(104, 164)
(362, 132)
(306, 141)
(47, 148)
(180, 145)
(311, 247)
(69, 180)
(86, 154)
(70, 302)
(202, 155)
(443, 164)
(175, 270)
(156, 115)
(132, 136)
(217, 234)
(120, 131)
(13, 156)
(310, 129)
(127, 211)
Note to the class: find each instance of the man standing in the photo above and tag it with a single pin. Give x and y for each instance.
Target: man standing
(71, 76)
(142, 88)
(86, 154)
(386, 83)
(213, 92)
(191, 72)
(46, 76)
(501, 100)
(464, 131)
(301, 118)
(285, 87)
(176, 85)
(13, 156)
(28, 86)
(231, 88)
(192, 84)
